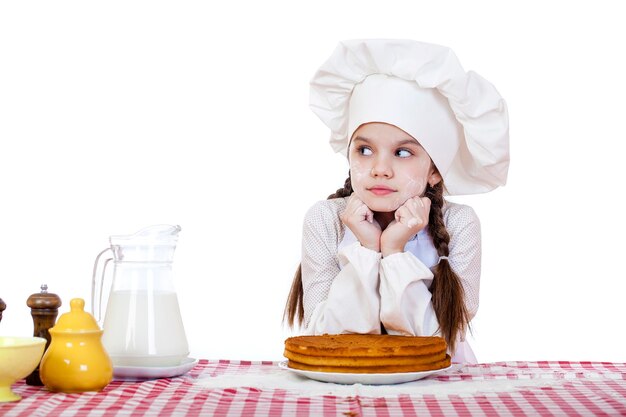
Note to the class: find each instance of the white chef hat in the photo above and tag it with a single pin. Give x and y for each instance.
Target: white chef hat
(458, 117)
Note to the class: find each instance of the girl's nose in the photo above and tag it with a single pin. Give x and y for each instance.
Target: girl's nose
(382, 168)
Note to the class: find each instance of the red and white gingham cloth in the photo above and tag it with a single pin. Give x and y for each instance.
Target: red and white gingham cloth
(571, 389)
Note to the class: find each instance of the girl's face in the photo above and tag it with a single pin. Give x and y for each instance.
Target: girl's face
(388, 166)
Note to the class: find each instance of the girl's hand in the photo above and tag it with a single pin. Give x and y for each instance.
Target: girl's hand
(360, 220)
(410, 218)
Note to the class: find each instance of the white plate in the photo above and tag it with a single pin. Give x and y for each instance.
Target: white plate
(367, 379)
(153, 372)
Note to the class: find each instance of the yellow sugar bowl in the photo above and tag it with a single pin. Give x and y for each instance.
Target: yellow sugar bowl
(76, 360)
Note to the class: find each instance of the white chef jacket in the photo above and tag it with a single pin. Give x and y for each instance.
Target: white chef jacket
(351, 289)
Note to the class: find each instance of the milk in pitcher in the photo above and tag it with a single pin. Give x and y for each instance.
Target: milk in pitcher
(158, 342)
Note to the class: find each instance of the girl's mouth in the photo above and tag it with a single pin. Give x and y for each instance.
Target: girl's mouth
(381, 190)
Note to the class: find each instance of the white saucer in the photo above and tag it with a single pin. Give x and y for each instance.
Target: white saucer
(366, 379)
(153, 372)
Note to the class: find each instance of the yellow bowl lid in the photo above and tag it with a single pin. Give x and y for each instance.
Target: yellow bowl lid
(77, 320)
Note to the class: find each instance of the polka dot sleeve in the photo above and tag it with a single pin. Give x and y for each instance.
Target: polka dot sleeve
(465, 250)
(322, 231)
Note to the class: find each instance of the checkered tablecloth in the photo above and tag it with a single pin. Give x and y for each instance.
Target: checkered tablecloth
(511, 389)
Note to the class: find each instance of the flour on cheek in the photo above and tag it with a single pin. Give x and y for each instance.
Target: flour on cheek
(412, 179)
(358, 176)
(413, 187)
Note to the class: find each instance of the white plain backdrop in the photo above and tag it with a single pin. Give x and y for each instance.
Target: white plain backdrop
(117, 115)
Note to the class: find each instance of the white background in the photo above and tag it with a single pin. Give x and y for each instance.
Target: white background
(119, 115)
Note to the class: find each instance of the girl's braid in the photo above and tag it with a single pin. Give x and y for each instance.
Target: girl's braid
(447, 292)
(436, 226)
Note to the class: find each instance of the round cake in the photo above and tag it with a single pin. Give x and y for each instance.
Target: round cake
(366, 353)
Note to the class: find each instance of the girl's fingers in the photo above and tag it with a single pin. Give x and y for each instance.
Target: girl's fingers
(411, 213)
(414, 221)
(422, 209)
(419, 201)
(369, 214)
(354, 205)
(353, 202)
(356, 208)
(399, 214)
(406, 216)
(362, 212)
(415, 206)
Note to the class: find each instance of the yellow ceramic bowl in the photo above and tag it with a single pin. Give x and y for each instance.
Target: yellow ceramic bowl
(19, 356)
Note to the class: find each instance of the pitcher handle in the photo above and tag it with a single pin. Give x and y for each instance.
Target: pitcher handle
(97, 283)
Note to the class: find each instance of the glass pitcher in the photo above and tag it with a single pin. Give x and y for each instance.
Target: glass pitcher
(142, 325)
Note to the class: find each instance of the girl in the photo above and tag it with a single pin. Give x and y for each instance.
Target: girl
(387, 253)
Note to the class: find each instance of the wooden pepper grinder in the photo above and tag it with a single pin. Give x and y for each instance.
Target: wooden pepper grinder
(44, 307)
(2, 307)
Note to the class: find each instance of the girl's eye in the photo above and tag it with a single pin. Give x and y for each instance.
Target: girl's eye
(403, 153)
(364, 150)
